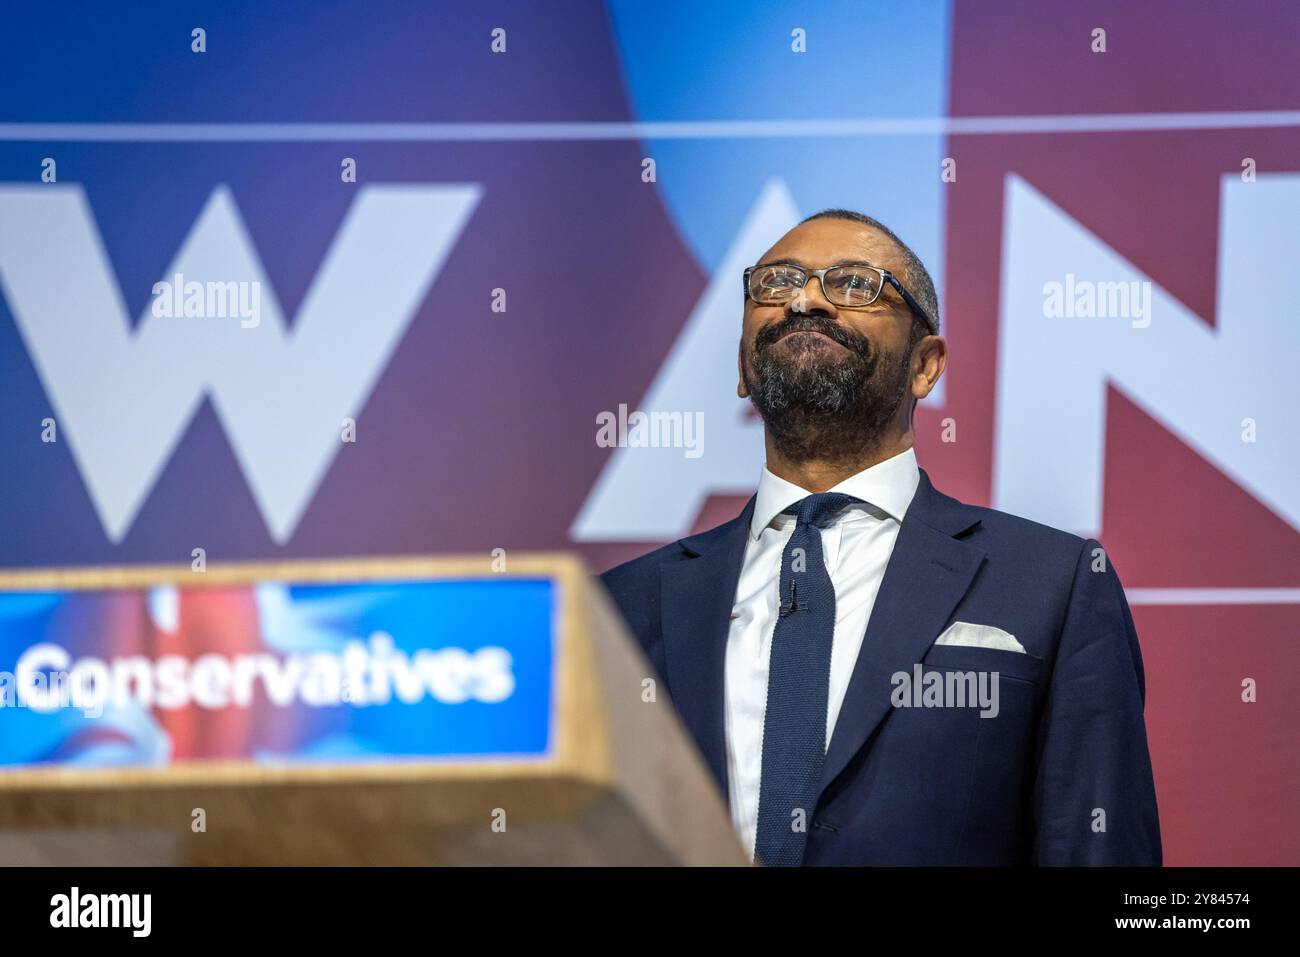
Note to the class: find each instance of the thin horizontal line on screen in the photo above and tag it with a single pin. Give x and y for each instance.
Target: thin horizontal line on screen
(668, 130)
(1213, 596)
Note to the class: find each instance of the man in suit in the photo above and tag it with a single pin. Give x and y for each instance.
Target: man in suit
(877, 673)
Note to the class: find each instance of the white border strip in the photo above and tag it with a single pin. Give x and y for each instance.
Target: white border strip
(678, 130)
(1213, 596)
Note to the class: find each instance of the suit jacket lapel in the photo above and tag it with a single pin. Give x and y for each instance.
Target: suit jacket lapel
(927, 575)
(697, 596)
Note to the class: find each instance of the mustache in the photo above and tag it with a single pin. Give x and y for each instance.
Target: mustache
(812, 322)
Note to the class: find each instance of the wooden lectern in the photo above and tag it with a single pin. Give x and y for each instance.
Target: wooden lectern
(622, 782)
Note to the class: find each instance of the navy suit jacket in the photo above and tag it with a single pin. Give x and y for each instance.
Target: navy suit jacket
(1061, 776)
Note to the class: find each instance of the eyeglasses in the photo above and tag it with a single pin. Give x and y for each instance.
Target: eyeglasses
(846, 284)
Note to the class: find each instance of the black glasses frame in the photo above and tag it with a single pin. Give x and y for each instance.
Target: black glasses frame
(885, 277)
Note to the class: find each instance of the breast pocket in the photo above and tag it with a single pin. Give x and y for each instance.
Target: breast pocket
(1013, 697)
(1019, 665)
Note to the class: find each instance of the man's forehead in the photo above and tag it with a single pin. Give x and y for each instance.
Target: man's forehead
(823, 242)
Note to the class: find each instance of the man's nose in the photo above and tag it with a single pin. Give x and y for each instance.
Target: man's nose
(811, 298)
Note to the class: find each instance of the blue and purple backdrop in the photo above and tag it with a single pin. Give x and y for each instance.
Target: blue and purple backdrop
(551, 208)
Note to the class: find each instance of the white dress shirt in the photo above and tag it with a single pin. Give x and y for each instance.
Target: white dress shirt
(857, 546)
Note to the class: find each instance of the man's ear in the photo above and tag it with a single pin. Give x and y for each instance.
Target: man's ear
(741, 391)
(930, 359)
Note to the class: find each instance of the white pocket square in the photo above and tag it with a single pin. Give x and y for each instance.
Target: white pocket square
(979, 636)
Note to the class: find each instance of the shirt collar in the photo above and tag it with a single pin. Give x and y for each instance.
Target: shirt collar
(888, 485)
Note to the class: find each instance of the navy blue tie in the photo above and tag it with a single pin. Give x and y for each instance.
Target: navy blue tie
(798, 686)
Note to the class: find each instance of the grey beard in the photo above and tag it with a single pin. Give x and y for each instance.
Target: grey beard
(835, 412)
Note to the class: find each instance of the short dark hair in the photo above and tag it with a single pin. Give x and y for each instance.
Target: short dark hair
(917, 277)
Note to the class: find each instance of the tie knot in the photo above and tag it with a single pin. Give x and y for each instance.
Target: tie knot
(820, 509)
